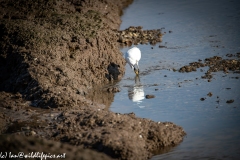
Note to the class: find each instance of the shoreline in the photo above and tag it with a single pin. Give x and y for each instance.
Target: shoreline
(53, 53)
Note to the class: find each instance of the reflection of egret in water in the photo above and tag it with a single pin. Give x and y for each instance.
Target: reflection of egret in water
(135, 92)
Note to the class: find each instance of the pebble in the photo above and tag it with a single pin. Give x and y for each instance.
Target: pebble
(33, 133)
(230, 101)
(210, 94)
(148, 96)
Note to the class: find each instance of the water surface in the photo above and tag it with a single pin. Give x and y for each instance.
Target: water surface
(198, 30)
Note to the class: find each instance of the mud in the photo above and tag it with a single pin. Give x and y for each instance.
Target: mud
(58, 49)
(136, 35)
(48, 147)
(215, 64)
(53, 55)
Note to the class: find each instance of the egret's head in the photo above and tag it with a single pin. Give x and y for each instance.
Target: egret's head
(136, 71)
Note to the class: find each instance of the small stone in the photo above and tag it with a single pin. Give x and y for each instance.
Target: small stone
(202, 99)
(33, 133)
(230, 101)
(160, 46)
(210, 94)
(149, 96)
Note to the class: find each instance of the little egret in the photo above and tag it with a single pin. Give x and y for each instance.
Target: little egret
(132, 57)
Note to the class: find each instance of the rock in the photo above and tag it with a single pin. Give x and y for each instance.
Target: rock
(210, 94)
(230, 101)
(149, 96)
(33, 133)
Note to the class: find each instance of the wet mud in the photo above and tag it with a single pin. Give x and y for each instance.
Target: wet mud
(11, 143)
(215, 64)
(53, 54)
(136, 35)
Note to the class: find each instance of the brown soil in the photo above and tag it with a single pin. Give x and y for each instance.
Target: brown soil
(31, 145)
(53, 54)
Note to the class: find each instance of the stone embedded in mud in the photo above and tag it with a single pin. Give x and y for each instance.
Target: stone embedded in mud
(33, 133)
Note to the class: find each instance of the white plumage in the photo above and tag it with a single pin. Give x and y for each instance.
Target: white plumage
(132, 57)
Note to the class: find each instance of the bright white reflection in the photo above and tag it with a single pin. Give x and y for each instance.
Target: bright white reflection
(136, 92)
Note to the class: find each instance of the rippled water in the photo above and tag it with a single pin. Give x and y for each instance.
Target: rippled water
(200, 29)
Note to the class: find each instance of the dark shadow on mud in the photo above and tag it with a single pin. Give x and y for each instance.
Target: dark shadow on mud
(14, 73)
(113, 72)
(15, 78)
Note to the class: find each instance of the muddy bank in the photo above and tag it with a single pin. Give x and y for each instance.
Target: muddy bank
(121, 136)
(10, 147)
(52, 54)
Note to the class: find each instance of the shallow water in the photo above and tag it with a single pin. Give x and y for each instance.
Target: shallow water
(200, 29)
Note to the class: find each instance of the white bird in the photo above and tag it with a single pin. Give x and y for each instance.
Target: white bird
(132, 57)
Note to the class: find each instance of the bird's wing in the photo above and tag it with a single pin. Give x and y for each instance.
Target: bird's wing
(130, 61)
(134, 53)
